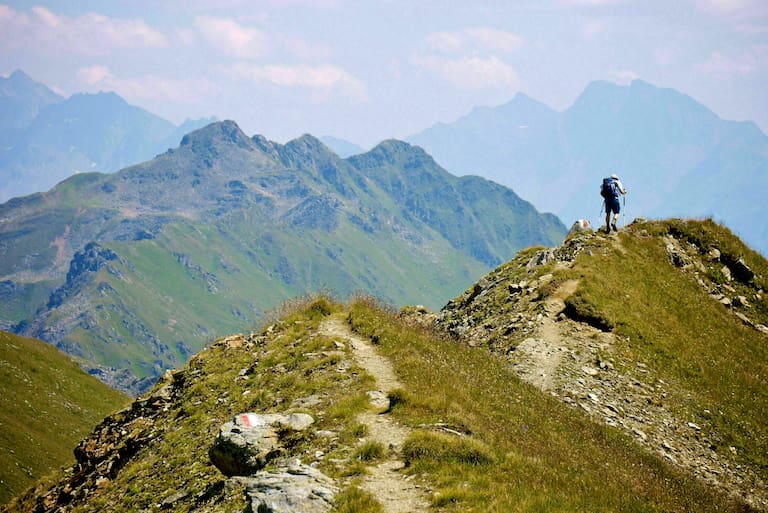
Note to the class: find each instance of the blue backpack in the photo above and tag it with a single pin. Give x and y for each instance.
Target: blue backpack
(609, 189)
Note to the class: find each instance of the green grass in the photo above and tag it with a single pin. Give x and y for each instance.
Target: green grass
(546, 457)
(715, 364)
(283, 368)
(369, 451)
(47, 404)
(356, 500)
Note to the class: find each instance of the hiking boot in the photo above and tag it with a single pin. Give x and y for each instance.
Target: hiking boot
(614, 227)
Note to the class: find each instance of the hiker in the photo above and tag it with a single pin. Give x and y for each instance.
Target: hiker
(610, 190)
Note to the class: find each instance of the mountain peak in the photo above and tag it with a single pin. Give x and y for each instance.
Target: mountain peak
(19, 77)
(225, 132)
(394, 151)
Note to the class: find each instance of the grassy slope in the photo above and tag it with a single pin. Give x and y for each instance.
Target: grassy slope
(528, 452)
(716, 364)
(47, 404)
(232, 279)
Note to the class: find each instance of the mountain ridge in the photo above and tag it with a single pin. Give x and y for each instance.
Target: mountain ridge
(225, 214)
(621, 415)
(85, 132)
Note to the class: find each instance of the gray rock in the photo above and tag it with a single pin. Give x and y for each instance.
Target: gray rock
(378, 400)
(289, 489)
(248, 443)
(542, 257)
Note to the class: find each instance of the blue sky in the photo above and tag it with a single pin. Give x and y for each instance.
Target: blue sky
(370, 70)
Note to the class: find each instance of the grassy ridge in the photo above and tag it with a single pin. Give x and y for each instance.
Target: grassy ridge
(716, 364)
(535, 455)
(47, 404)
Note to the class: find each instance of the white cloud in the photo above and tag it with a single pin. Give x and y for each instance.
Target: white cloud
(93, 74)
(475, 39)
(146, 88)
(473, 72)
(623, 76)
(46, 17)
(89, 34)
(592, 27)
(751, 61)
(232, 38)
(324, 79)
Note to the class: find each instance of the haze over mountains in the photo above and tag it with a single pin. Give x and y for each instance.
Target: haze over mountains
(676, 157)
(45, 138)
(133, 272)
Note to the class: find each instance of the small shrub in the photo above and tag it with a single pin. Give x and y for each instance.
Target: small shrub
(291, 438)
(359, 430)
(450, 496)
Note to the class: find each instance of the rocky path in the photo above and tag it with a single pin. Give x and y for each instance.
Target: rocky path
(577, 363)
(392, 489)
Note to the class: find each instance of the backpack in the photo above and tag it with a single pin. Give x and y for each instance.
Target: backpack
(609, 189)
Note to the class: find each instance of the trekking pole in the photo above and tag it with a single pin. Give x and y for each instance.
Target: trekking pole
(624, 210)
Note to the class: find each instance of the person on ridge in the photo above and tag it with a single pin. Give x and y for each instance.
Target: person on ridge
(612, 204)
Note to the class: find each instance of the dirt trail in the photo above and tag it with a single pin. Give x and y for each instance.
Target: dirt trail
(545, 351)
(396, 492)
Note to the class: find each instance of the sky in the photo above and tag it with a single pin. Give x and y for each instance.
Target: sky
(366, 70)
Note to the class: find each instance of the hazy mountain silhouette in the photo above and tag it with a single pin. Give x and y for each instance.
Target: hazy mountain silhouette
(676, 156)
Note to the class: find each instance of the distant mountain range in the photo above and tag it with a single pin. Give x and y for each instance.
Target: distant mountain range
(45, 138)
(676, 157)
(133, 272)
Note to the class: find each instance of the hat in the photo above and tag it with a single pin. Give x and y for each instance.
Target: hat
(615, 176)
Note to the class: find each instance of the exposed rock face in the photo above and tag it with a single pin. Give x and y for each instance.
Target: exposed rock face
(112, 445)
(88, 261)
(246, 445)
(291, 488)
(251, 441)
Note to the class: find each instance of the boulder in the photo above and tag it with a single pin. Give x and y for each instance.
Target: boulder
(291, 488)
(248, 443)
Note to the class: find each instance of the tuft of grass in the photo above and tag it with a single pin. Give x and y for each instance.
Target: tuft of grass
(369, 451)
(356, 500)
(440, 448)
